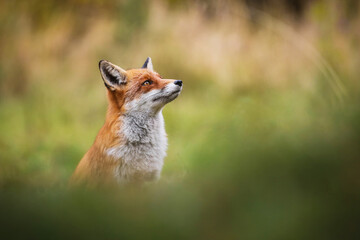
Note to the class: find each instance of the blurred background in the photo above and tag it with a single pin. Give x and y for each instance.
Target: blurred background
(264, 141)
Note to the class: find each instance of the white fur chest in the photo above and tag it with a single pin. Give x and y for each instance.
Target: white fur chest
(144, 149)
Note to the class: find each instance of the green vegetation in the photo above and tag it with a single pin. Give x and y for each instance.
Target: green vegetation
(264, 141)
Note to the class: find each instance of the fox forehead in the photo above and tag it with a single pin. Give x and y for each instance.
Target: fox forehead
(141, 74)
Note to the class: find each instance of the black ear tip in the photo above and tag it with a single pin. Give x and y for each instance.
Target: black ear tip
(101, 62)
(146, 62)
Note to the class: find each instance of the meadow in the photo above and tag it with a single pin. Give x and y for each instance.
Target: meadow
(264, 140)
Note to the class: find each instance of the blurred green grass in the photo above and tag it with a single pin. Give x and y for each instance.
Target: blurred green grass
(263, 141)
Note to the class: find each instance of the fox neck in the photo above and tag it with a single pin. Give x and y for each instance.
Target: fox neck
(143, 130)
(141, 127)
(141, 147)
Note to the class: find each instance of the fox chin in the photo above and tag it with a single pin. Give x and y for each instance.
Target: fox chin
(132, 144)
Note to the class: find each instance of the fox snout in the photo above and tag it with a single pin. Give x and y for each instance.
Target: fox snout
(167, 93)
(178, 82)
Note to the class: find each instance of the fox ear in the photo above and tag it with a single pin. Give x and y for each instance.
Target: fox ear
(148, 64)
(112, 75)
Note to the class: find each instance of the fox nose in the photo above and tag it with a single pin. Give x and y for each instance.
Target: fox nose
(178, 82)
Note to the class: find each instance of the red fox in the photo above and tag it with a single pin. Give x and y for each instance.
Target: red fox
(132, 144)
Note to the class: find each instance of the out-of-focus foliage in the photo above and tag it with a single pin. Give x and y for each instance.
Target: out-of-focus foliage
(264, 141)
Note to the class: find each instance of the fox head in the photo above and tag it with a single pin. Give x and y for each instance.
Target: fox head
(138, 90)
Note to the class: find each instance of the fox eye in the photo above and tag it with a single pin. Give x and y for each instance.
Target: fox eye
(147, 82)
